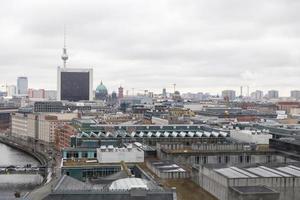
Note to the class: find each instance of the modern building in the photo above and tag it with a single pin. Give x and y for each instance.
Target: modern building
(228, 94)
(11, 90)
(273, 94)
(22, 85)
(120, 92)
(110, 154)
(266, 182)
(50, 94)
(257, 95)
(74, 84)
(295, 94)
(101, 92)
(164, 93)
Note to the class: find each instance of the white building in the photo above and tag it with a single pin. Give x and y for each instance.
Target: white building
(111, 154)
(11, 90)
(251, 136)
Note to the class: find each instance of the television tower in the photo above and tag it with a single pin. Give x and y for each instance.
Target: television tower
(64, 56)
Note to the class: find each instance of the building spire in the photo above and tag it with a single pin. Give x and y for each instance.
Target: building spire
(64, 56)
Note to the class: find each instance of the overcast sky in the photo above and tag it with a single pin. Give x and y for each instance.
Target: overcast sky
(201, 45)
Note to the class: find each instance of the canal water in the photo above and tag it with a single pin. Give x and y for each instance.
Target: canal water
(10, 183)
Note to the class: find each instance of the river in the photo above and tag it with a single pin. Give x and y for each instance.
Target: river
(9, 183)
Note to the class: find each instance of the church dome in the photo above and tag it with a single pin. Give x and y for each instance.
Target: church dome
(101, 92)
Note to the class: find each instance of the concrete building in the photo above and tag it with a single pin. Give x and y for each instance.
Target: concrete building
(295, 94)
(266, 182)
(120, 92)
(257, 95)
(39, 126)
(228, 94)
(11, 90)
(251, 136)
(22, 85)
(110, 154)
(39, 94)
(50, 94)
(273, 94)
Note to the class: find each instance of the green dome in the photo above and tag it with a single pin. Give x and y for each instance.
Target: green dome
(101, 89)
(101, 92)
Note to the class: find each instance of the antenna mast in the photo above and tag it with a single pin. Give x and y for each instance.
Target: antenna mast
(64, 56)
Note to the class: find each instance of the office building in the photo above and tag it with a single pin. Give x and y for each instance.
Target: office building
(74, 84)
(22, 85)
(120, 92)
(228, 94)
(295, 94)
(273, 94)
(50, 94)
(164, 93)
(11, 90)
(257, 95)
(40, 93)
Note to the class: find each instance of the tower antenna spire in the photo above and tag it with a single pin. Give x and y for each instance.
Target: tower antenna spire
(64, 56)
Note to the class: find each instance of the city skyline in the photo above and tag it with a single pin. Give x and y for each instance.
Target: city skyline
(202, 47)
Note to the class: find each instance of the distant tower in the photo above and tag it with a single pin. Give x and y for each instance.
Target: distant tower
(64, 56)
(120, 92)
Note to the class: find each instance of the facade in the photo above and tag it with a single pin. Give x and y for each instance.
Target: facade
(50, 94)
(22, 85)
(221, 152)
(39, 126)
(11, 90)
(40, 94)
(295, 94)
(257, 95)
(110, 154)
(74, 84)
(120, 92)
(229, 94)
(273, 94)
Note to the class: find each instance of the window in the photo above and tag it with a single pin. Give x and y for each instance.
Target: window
(241, 159)
(219, 159)
(227, 158)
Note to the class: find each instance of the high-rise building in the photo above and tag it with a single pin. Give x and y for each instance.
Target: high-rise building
(11, 90)
(120, 92)
(164, 92)
(22, 85)
(257, 95)
(295, 94)
(273, 94)
(74, 84)
(228, 94)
